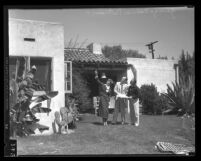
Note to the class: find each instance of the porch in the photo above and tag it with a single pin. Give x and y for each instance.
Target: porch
(87, 62)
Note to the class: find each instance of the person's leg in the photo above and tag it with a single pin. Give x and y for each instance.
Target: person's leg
(106, 109)
(132, 117)
(104, 121)
(137, 115)
(116, 111)
(123, 110)
(100, 109)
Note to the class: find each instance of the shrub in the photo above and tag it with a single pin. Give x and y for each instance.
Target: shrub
(150, 99)
(161, 104)
(152, 102)
(81, 91)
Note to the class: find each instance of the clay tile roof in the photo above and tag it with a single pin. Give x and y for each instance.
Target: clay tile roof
(85, 56)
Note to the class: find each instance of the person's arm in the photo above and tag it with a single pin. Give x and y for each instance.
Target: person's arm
(97, 79)
(134, 72)
(118, 93)
(138, 92)
(129, 94)
(115, 89)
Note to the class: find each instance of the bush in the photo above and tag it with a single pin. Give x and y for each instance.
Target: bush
(161, 104)
(152, 102)
(81, 91)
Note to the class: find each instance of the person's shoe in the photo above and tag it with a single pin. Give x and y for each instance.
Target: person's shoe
(64, 132)
(122, 122)
(136, 124)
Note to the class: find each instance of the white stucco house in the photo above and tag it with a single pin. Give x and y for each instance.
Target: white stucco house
(42, 43)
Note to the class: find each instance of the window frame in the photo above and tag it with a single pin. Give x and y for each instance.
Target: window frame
(39, 58)
(65, 76)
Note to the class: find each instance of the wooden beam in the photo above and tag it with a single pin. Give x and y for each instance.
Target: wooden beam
(104, 68)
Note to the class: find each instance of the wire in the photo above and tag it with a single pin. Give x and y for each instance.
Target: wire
(120, 42)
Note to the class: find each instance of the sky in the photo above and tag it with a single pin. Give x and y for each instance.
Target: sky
(132, 28)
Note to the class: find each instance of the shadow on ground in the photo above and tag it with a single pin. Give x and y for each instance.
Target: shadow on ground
(109, 123)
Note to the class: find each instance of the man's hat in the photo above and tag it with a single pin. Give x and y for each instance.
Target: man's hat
(103, 75)
(34, 67)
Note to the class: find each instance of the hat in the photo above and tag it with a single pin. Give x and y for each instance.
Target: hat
(33, 67)
(103, 75)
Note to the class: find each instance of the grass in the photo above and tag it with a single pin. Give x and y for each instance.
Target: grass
(91, 137)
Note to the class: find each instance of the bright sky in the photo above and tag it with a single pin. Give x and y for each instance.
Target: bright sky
(133, 28)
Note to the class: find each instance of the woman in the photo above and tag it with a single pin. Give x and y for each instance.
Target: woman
(104, 91)
(134, 93)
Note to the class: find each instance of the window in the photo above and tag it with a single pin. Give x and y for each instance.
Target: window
(43, 74)
(68, 76)
(21, 65)
(29, 39)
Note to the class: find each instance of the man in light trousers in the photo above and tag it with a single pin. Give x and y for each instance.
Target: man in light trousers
(133, 93)
(121, 100)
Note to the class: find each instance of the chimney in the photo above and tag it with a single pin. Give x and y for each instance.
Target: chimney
(95, 48)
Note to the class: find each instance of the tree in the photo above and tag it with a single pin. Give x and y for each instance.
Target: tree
(133, 54)
(186, 65)
(116, 52)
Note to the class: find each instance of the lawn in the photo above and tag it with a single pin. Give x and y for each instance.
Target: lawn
(91, 137)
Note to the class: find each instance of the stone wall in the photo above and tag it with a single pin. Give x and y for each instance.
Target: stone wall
(49, 42)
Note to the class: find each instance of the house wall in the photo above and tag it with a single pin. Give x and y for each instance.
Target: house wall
(49, 42)
(157, 71)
